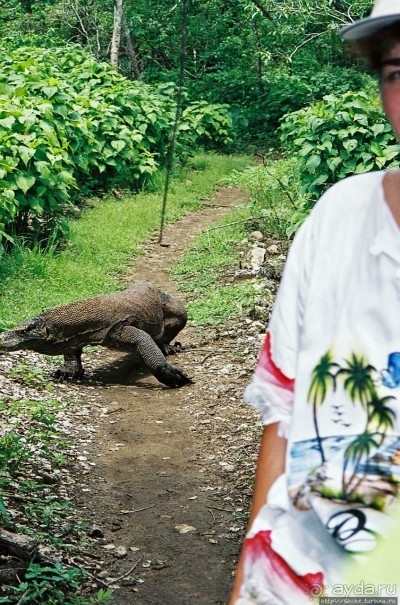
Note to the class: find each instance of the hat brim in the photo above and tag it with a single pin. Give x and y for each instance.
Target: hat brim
(368, 27)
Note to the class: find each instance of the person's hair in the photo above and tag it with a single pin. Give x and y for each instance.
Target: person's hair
(375, 47)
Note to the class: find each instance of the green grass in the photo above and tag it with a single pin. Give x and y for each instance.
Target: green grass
(200, 273)
(102, 241)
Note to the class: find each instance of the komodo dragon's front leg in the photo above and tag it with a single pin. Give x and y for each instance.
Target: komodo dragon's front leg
(140, 342)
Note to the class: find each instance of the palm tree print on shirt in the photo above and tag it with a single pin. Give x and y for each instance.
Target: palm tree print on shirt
(358, 382)
(322, 379)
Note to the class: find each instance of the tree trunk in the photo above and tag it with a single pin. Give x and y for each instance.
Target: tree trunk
(263, 9)
(259, 59)
(136, 70)
(116, 37)
(28, 6)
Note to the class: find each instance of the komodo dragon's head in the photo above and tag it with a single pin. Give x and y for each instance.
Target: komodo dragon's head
(31, 334)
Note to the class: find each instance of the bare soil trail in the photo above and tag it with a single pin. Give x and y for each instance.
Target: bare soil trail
(165, 486)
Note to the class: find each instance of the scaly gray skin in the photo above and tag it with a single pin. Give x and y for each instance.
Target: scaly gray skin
(141, 319)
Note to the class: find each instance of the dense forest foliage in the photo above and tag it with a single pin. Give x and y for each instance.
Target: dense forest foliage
(88, 92)
(263, 58)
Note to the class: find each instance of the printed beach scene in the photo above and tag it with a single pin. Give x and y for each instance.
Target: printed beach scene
(350, 480)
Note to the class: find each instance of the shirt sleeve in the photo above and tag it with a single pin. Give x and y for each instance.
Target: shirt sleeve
(271, 391)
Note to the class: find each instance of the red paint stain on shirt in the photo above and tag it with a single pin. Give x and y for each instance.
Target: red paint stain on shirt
(265, 361)
(260, 546)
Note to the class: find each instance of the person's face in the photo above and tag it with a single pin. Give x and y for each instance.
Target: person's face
(390, 87)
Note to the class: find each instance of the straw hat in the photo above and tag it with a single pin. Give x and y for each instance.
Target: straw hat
(384, 13)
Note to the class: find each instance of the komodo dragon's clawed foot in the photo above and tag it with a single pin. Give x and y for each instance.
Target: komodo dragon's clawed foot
(72, 367)
(173, 377)
(65, 374)
(172, 349)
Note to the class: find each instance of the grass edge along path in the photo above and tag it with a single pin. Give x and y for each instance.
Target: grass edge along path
(201, 272)
(102, 241)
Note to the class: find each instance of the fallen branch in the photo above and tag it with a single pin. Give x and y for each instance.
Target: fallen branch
(224, 510)
(213, 516)
(136, 510)
(115, 580)
(96, 579)
(210, 205)
(19, 545)
(245, 220)
(22, 598)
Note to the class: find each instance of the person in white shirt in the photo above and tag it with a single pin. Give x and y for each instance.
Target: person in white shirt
(327, 382)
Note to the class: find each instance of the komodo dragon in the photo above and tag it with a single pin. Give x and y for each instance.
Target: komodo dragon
(141, 319)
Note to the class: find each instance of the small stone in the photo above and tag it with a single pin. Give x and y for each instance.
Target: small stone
(120, 552)
(257, 258)
(273, 249)
(103, 574)
(95, 532)
(257, 236)
(258, 326)
(185, 529)
(227, 467)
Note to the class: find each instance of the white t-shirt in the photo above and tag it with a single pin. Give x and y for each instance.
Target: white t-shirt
(329, 373)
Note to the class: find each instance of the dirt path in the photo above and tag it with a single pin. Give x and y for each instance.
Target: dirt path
(164, 457)
(162, 476)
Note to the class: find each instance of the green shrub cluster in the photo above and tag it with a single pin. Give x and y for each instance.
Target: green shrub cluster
(276, 196)
(339, 136)
(69, 123)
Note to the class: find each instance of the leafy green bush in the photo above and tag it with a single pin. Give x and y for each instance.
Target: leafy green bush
(276, 196)
(339, 136)
(207, 125)
(68, 122)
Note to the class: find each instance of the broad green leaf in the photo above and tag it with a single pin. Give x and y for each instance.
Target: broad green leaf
(350, 144)
(313, 162)
(26, 153)
(334, 163)
(376, 148)
(378, 129)
(361, 118)
(37, 204)
(11, 240)
(7, 122)
(44, 168)
(25, 182)
(66, 177)
(118, 145)
(50, 91)
(6, 89)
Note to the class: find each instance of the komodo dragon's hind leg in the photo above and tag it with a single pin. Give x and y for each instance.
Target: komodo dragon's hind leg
(140, 342)
(72, 367)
